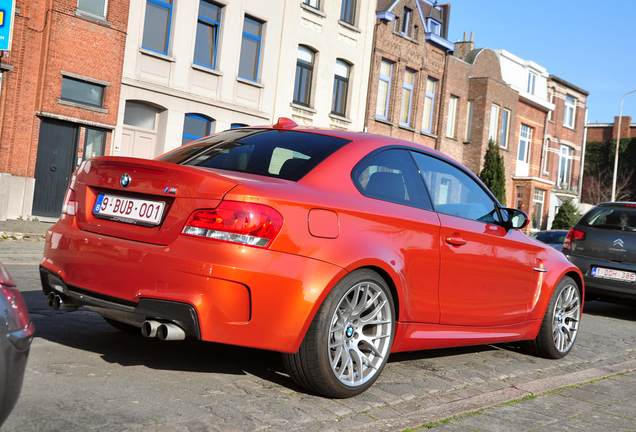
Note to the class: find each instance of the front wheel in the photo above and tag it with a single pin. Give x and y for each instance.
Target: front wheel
(349, 339)
(561, 322)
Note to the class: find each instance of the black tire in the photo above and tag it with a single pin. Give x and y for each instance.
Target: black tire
(349, 340)
(560, 323)
(126, 328)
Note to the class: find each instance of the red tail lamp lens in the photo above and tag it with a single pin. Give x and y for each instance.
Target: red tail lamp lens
(236, 222)
(574, 234)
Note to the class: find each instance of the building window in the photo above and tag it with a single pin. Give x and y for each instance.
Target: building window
(429, 105)
(570, 111)
(565, 167)
(304, 72)
(94, 142)
(140, 115)
(452, 116)
(469, 120)
(82, 92)
(406, 18)
(157, 25)
(537, 208)
(96, 7)
(340, 88)
(407, 97)
(348, 11)
(525, 136)
(532, 78)
(313, 3)
(505, 126)
(494, 121)
(384, 90)
(196, 126)
(519, 197)
(434, 27)
(208, 23)
(250, 49)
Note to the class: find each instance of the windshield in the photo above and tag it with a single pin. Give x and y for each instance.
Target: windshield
(618, 218)
(289, 155)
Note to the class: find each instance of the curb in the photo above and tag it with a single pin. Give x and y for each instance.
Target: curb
(434, 414)
(19, 236)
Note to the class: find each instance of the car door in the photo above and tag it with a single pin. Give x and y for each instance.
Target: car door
(486, 271)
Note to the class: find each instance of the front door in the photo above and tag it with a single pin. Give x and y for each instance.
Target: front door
(57, 150)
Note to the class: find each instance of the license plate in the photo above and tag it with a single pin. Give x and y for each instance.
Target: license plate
(613, 274)
(129, 210)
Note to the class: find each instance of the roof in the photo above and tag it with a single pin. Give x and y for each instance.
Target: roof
(567, 84)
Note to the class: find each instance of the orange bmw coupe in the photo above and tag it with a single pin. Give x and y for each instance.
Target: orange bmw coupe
(334, 248)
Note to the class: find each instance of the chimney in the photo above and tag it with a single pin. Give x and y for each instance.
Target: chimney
(464, 47)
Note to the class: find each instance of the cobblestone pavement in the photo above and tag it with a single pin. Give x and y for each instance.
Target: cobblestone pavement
(85, 376)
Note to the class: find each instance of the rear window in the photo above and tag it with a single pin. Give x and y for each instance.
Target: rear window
(552, 237)
(289, 155)
(621, 218)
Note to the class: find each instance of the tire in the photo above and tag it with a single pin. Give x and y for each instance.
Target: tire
(349, 340)
(126, 328)
(561, 322)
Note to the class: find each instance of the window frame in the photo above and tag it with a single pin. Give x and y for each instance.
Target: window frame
(566, 158)
(259, 40)
(406, 21)
(537, 204)
(348, 11)
(505, 128)
(217, 30)
(569, 112)
(532, 81)
(304, 66)
(469, 120)
(434, 26)
(193, 137)
(406, 87)
(309, 3)
(103, 16)
(386, 79)
(451, 123)
(494, 123)
(169, 7)
(338, 83)
(102, 89)
(527, 142)
(429, 96)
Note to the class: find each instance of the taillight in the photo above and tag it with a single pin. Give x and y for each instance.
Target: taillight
(573, 234)
(236, 222)
(16, 315)
(70, 205)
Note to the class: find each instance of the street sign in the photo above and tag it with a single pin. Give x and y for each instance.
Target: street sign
(7, 8)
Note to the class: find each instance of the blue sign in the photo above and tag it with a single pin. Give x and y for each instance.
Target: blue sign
(7, 7)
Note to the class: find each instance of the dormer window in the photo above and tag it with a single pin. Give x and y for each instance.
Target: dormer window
(532, 79)
(434, 27)
(406, 20)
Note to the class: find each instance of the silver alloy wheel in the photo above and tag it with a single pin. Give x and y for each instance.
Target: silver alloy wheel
(566, 318)
(360, 334)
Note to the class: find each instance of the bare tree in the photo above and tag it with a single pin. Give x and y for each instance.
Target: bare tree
(598, 188)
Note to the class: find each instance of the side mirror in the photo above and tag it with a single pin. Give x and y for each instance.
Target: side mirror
(514, 218)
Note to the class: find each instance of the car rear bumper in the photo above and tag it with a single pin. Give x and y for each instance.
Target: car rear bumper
(215, 291)
(595, 286)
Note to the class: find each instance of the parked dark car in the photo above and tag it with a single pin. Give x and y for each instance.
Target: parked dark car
(16, 333)
(603, 246)
(554, 238)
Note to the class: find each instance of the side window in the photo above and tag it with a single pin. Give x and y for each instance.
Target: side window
(454, 192)
(392, 176)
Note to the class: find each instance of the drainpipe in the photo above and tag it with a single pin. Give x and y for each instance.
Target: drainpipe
(544, 153)
(583, 158)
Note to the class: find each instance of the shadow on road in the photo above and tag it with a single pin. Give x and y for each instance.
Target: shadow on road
(610, 310)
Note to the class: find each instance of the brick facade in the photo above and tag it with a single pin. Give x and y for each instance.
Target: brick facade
(597, 132)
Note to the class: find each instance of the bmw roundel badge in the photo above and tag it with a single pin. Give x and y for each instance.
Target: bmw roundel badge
(125, 181)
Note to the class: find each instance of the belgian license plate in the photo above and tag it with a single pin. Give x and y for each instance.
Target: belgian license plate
(613, 274)
(129, 210)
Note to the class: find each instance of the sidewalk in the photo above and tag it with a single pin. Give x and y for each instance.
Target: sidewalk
(24, 229)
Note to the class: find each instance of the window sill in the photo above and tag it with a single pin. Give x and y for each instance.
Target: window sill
(207, 69)
(451, 138)
(92, 17)
(429, 134)
(349, 26)
(569, 127)
(383, 121)
(408, 38)
(249, 82)
(313, 10)
(406, 127)
(307, 109)
(157, 55)
(82, 106)
(340, 118)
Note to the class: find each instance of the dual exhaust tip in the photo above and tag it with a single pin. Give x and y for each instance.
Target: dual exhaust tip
(57, 302)
(162, 331)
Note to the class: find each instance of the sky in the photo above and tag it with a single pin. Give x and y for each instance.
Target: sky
(590, 44)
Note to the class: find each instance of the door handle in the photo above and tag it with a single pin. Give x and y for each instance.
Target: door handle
(455, 241)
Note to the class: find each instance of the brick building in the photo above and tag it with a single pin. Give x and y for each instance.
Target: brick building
(597, 132)
(59, 98)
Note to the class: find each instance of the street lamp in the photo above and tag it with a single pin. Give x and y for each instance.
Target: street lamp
(618, 143)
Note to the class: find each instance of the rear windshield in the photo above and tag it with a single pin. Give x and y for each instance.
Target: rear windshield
(289, 155)
(619, 218)
(552, 237)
